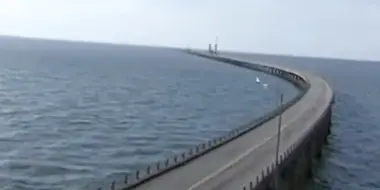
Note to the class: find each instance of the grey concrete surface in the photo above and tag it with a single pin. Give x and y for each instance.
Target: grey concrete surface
(241, 160)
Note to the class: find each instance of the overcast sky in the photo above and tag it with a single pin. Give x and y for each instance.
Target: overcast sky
(333, 28)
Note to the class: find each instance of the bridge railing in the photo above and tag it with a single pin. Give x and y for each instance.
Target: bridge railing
(294, 151)
(291, 154)
(132, 180)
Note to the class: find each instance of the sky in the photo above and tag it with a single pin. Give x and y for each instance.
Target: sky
(328, 28)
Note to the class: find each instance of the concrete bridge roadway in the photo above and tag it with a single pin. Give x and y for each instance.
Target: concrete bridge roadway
(243, 159)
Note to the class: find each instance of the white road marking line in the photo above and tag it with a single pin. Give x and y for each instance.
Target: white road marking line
(240, 157)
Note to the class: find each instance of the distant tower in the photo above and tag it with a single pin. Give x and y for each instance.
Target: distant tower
(216, 45)
(209, 48)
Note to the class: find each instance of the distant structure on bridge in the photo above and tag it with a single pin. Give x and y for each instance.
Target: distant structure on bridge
(215, 50)
(216, 46)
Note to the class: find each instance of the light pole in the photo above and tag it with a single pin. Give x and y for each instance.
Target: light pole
(279, 123)
(279, 127)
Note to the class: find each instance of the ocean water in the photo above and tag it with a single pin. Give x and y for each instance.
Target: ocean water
(352, 157)
(73, 113)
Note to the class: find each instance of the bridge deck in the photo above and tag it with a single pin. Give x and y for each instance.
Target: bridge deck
(241, 160)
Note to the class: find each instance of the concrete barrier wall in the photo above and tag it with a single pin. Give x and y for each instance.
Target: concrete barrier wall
(161, 167)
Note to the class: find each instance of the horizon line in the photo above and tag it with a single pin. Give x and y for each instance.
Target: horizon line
(185, 46)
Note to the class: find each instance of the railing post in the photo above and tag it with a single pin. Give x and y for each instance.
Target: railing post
(126, 179)
(113, 185)
(137, 174)
(257, 180)
(148, 170)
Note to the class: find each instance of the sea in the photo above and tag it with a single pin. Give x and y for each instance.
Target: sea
(73, 113)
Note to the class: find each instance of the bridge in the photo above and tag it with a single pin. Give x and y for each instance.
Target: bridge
(253, 156)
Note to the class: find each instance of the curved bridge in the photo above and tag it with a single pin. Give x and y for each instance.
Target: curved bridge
(246, 158)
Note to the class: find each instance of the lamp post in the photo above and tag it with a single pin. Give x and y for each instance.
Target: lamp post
(279, 127)
(279, 95)
(277, 173)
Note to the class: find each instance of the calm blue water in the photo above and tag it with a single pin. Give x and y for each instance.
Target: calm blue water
(72, 113)
(352, 158)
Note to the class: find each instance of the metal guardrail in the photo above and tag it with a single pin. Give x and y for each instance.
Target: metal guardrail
(287, 156)
(292, 153)
(131, 181)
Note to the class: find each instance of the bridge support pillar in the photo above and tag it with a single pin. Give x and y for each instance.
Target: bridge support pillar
(327, 123)
(319, 141)
(320, 138)
(329, 120)
(309, 160)
(291, 176)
